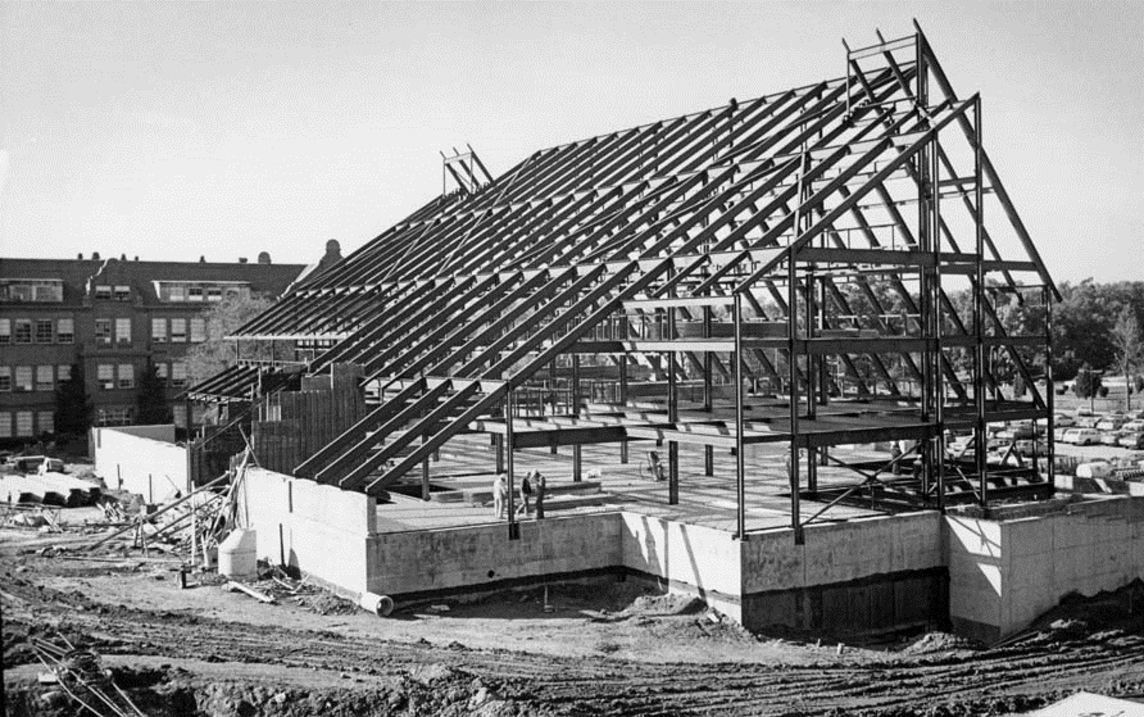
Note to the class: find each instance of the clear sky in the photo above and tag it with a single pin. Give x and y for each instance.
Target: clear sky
(170, 130)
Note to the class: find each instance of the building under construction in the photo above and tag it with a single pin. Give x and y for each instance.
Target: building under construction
(774, 317)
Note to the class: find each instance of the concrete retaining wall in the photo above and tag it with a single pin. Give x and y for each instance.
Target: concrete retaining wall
(320, 529)
(876, 573)
(411, 563)
(686, 558)
(141, 459)
(1003, 574)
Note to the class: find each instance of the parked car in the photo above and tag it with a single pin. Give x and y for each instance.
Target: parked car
(1082, 436)
(1136, 424)
(1059, 433)
(1064, 420)
(1111, 423)
(1134, 440)
(1082, 411)
(1111, 438)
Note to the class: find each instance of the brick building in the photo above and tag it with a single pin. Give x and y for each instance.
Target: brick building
(112, 316)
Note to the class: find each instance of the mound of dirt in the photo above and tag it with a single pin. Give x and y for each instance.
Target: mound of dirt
(938, 642)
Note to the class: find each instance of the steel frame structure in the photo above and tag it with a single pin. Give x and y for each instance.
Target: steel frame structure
(763, 242)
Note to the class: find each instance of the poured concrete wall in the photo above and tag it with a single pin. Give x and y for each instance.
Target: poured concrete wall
(686, 558)
(1003, 574)
(140, 459)
(876, 573)
(320, 529)
(408, 564)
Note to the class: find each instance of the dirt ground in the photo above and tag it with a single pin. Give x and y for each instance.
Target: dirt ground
(608, 648)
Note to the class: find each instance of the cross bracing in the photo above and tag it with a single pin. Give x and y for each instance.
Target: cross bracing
(832, 247)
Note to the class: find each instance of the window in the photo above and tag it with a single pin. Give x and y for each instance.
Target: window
(23, 379)
(23, 331)
(123, 331)
(103, 292)
(198, 331)
(177, 292)
(43, 331)
(5, 378)
(5, 331)
(162, 372)
(24, 423)
(194, 292)
(42, 290)
(103, 331)
(178, 331)
(65, 331)
(47, 422)
(44, 380)
(105, 374)
(214, 293)
(63, 372)
(159, 331)
(178, 374)
(5, 424)
(113, 417)
(126, 375)
(123, 293)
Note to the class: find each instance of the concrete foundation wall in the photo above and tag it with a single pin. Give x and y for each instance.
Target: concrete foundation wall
(687, 558)
(871, 574)
(141, 459)
(414, 562)
(317, 528)
(1004, 574)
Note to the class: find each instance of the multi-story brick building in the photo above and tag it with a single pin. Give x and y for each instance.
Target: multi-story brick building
(111, 316)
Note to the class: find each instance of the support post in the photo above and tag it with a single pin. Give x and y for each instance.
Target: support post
(740, 463)
(624, 395)
(577, 450)
(672, 416)
(978, 310)
(510, 502)
(708, 392)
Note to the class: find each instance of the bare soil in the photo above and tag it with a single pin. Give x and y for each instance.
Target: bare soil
(612, 648)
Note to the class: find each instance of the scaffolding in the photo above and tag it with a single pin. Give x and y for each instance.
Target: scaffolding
(812, 268)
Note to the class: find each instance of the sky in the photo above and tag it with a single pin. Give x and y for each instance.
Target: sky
(171, 131)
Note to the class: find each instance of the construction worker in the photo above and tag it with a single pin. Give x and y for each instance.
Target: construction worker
(500, 494)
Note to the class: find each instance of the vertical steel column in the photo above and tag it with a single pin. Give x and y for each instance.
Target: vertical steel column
(708, 392)
(939, 378)
(577, 452)
(510, 441)
(811, 379)
(624, 396)
(498, 443)
(978, 308)
(740, 462)
(672, 415)
(1047, 293)
(792, 357)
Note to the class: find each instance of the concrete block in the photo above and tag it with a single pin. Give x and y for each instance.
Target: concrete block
(1030, 536)
(974, 536)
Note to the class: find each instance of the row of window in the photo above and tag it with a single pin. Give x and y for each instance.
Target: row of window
(40, 331)
(29, 424)
(38, 290)
(26, 379)
(118, 292)
(180, 291)
(107, 331)
(26, 424)
(175, 330)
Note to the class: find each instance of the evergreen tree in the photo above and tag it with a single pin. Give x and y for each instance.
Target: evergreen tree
(73, 407)
(151, 406)
(1088, 383)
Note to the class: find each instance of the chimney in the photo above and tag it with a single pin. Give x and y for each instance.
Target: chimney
(122, 257)
(264, 258)
(242, 260)
(80, 257)
(95, 256)
(136, 257)
(202, 259)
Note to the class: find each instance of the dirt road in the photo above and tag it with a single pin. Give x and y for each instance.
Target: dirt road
(600, 650)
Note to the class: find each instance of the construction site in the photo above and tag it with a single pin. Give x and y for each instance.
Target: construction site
(747, 361)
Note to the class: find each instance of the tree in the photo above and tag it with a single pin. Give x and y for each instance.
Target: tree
(73, 407)
(151, 406)
(1129, 347)
(1087, 382)
(217, 352)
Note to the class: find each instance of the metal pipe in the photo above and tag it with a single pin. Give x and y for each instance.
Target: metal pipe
(740, 464)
